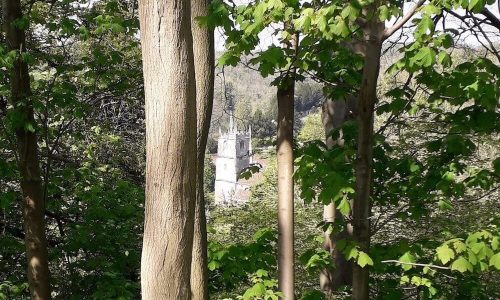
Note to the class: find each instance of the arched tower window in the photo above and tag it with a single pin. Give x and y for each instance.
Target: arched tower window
(242, 145)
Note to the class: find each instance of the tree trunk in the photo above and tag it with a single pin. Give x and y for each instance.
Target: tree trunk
(285, 189)
(334, 114)
(203, 47)
(373, 32)
(170, 92)
(285, 95)
(28, 162)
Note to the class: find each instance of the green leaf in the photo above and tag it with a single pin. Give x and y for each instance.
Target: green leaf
(496, 166)
(404, 279)
(444, 204)
(495, 261)
(462, 265)
(495, 242)
(29, 127)
(459, 246)
(213, 265)
(425, 57)
(351, 252)
(6, 199)
(444, 58)
(228, 59)
(288, 13)
(364, 259)
(447, 41)
(259, 11)
(261, 273)
(424, 25)
(344, 207)
(431, 9)
(259, 289)
(322, 23)
(478, 247)
(383, 13)
(445, 254)
(407, 258)
(476, 5)
(340, 28)
(472, 257)
(416, 280)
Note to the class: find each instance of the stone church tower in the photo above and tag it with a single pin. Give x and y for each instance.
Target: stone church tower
(234, 153)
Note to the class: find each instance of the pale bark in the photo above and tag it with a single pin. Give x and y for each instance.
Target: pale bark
(170, 92)
(285, 96)
(28, 159)
(285, 188)
(203, 48)
(373, 36)
(334, 114)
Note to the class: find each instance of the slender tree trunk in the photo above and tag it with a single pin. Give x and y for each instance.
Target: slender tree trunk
(27, 147)
(334, 114)
(203, 47)
(285, 189)
(373, 32)
(285, 96)
(170, 91)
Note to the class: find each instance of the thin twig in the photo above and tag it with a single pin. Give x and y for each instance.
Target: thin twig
(414, 264)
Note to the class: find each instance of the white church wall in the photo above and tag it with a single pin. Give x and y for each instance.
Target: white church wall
(233, 156)
(226, 169)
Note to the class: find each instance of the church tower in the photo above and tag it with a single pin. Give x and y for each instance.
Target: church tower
(234, 153)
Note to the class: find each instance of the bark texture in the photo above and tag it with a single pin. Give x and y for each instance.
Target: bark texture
(28, 162)
(373, 36)
(284, 151)
(285, 189)
(203, 48)
(285, 96)
(170, 91)
(334, 114)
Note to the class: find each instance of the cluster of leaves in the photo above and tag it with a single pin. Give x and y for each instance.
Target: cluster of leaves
(312, 128)
(317, 258)
(478, 252)
(264, 287)
(318, 50)
(326, 175)
(9, 290)
(233, 265)
(473, 256)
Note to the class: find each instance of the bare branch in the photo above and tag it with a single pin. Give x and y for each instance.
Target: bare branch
(390, 31)
(415, 264)
(491, 17)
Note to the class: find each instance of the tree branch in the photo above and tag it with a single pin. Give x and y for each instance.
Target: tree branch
(414, 264)
(491, 17)
(390, 31)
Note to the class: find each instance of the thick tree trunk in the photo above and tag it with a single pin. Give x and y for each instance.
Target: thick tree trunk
(334, 114)
(373, 32)
(170, 91)
(203, 47)
(27, 147)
